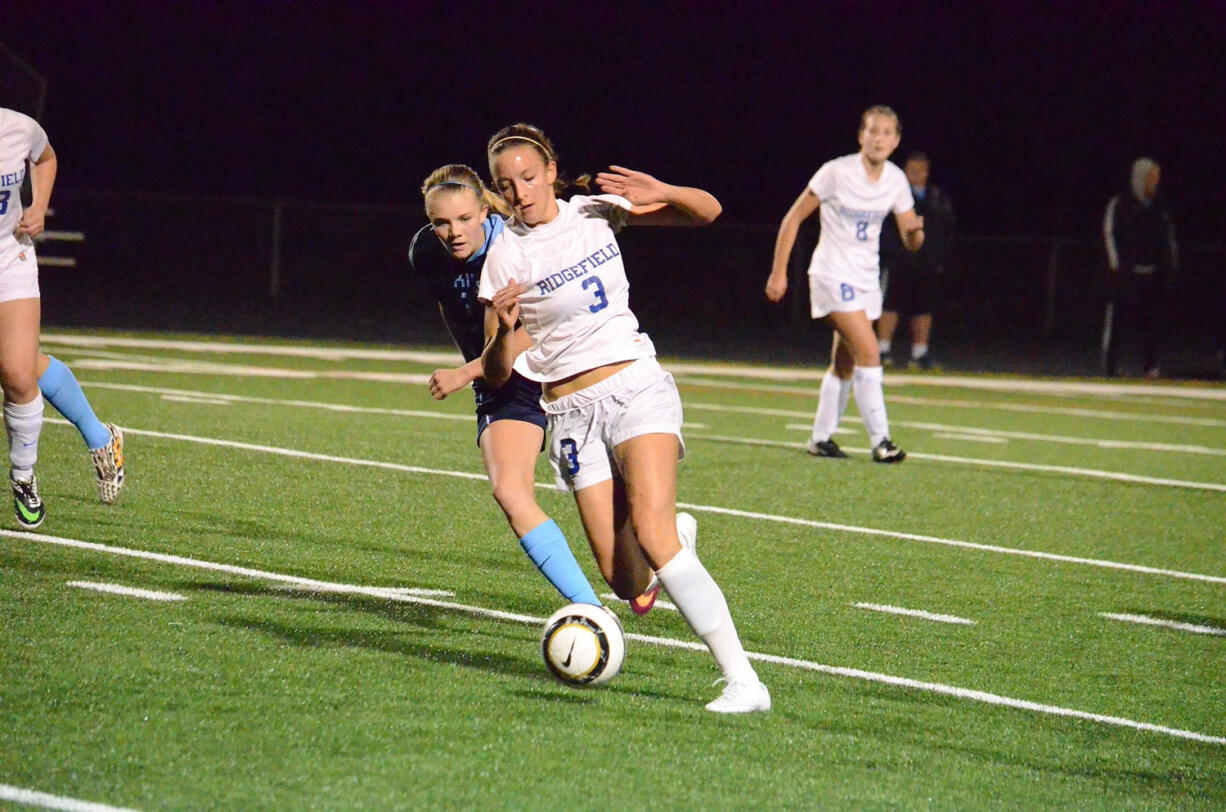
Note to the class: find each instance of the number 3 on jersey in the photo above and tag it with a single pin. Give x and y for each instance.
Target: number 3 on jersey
(602, 301)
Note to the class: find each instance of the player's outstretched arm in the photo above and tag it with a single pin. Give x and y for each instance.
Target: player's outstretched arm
(657, 203)
(802, 208)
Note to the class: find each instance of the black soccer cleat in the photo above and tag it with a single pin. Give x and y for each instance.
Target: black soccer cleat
(825, 448)
(27, 505)
(886, 451)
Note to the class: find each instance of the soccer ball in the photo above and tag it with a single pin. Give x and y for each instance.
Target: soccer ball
(583, 644)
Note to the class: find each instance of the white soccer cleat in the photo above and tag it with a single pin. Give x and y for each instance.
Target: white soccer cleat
(741, 696)
(687, 531)
(108, 466)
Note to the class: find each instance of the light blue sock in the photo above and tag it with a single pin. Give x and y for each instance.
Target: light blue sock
(546, 546)
(61, 390)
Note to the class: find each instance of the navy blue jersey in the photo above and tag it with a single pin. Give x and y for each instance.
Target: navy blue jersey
(454, 284)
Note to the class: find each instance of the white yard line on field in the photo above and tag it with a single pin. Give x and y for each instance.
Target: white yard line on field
(989, 435)
(128, 591)
(179, 367)
(1029, 408)
(46, 800)
(969, 438)
(186, 394)
(393, 595)
(748, 371)
(919, 613)
(968, 545)
(1095, 473)
(212, 399)
(1168, 624)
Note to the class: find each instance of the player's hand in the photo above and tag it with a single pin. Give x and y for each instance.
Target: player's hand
(918, 226)
(445, 381)
(506, 305)
(776, 286)
(639, 188)
(32, 222)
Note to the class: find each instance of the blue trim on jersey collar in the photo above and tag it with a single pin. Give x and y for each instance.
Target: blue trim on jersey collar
(492, 227)
(919, 192)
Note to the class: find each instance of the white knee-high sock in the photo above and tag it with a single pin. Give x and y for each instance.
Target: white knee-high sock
(24, 422)
(702, 604)
(870, 400)
(831, 404)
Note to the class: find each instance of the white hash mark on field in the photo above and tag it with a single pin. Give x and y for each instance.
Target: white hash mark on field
(128, 591)
(1168, 624)
(46, 800)
(920, 613)
(808, 665)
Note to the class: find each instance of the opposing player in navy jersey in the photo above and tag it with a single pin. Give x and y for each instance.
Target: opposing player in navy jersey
(855, 193)
(449, 254)
(614, 413)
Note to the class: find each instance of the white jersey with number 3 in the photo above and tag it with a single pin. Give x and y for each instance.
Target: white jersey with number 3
(577, 310)
(21, 140)
(853, 209)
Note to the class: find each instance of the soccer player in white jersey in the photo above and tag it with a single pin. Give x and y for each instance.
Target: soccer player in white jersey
(614, 414)
(22, 140)
(24, 148)
(855, 193)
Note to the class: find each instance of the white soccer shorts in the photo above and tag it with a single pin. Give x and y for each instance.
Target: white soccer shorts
(19, 277)
(828, 296)
(585, 426)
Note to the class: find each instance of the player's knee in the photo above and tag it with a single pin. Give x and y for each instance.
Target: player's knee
(513, 495)
(20, 386)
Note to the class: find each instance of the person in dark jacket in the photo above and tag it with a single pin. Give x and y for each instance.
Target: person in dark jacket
(1139, 237)
(911, 280)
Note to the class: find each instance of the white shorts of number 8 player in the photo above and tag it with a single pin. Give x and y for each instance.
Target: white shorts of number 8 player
(585, 427)
(828, 296)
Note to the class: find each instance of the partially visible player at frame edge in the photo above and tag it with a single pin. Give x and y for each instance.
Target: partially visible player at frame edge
(23, 140)
(614, 414)
(855, 193)
(449, 254)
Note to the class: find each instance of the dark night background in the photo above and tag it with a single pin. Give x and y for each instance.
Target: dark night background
(1031, 112)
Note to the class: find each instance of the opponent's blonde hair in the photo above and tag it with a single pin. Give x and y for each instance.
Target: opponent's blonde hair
(457, 177)
(518, 135)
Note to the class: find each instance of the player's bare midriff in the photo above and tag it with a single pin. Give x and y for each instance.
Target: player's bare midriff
(581, 380)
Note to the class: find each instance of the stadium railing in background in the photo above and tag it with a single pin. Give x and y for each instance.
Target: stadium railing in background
(294, 268)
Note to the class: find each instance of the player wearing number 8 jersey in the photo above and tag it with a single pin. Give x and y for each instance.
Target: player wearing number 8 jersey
(614, 414)
(855, 194)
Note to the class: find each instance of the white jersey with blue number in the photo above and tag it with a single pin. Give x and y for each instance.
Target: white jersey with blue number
(21, 140)
(577, 311)
(853, 209)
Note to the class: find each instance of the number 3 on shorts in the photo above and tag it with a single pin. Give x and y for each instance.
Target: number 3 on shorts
(570, 456)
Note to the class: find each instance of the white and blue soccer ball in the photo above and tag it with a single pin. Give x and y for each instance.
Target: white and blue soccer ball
(583, 644)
